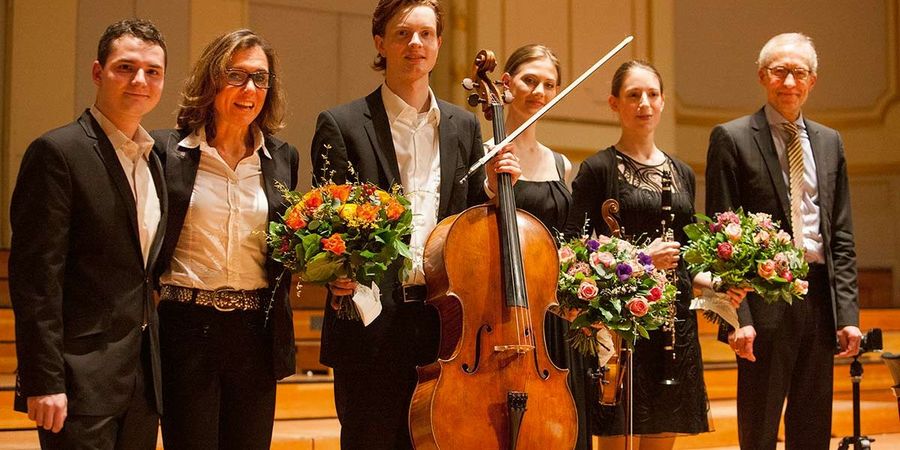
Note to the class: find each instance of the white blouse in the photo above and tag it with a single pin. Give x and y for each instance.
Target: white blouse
(222, 243)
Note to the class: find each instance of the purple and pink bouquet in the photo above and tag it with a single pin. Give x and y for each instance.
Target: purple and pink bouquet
(610, 282)
(747, 250)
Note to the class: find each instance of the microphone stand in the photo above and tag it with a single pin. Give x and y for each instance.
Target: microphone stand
(859, 442)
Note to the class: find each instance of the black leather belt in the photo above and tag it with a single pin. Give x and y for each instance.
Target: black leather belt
(411, 293)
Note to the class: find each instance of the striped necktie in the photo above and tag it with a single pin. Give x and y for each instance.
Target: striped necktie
(795, 167)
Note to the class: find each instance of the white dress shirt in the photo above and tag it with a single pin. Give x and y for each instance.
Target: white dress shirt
(222, 242)
(134, 156)
(809, 202)
(417, 146)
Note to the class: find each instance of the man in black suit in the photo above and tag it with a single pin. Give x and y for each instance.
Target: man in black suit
(788, 350)
(399, 134)
(87, 214)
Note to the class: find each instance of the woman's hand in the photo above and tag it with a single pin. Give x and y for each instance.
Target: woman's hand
(665, 254)
(570, 314)
(505, 161)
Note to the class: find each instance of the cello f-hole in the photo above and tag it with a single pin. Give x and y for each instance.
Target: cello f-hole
(474, 368)
(543, 373)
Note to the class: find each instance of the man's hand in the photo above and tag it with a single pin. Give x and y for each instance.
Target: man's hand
(741, 341)
(737, 295)
(849, 337)
(48, 411)
(341, 287)
(505, 161)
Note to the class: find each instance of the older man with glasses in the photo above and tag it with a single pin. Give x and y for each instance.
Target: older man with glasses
(779, 162)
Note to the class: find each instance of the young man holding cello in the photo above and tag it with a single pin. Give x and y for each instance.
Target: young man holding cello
(399, 134)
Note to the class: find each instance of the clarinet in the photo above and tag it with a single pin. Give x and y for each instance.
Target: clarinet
(667, 217)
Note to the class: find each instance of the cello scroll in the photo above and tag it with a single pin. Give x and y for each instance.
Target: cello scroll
(486, 92)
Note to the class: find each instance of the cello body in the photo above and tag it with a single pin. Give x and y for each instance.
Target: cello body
(462, 400)
(493, 385)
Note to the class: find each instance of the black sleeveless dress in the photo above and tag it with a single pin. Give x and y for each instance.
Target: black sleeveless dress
(550, 202)
(684, 407)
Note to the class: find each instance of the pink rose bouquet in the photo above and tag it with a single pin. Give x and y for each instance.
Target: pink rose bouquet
(747, 250)
(609, 281)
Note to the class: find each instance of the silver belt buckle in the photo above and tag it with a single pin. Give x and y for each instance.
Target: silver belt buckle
(216, 297)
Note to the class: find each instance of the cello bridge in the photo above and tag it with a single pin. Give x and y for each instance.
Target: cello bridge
(518, 348)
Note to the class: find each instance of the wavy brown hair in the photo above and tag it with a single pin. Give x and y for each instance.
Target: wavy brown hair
(207, 77)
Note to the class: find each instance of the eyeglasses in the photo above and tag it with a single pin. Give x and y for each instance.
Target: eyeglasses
(238, 77)
(781, 72)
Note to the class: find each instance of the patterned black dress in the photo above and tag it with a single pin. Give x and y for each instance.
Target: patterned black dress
(550, 202)
(658, 408)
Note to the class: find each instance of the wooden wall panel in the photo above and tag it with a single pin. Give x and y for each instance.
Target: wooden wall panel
(717, 44)
(325, 56)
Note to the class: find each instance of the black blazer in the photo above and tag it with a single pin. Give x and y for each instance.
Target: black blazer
(80, 290)
(181, 165)
(359, 133)
(743, 171)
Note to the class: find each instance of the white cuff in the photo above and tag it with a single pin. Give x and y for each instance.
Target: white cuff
(487, 189)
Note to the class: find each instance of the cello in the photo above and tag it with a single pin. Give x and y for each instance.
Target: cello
(493, 385)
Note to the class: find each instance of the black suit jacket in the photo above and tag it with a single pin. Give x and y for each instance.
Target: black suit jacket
(80, 290)
(359, 133)
(181, 166)
(743, 171)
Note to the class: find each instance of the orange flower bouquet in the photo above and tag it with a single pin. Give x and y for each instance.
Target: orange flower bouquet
(353, 230)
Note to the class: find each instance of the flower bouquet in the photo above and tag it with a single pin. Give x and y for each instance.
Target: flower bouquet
(609, 281)
(742, 250)
(353, 230)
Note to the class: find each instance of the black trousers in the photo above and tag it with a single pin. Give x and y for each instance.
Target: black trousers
(373, 406)
(135, 428)
(794, 359)
(218, 381)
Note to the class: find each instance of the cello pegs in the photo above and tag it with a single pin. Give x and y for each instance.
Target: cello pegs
(468, 84)
(474, 99)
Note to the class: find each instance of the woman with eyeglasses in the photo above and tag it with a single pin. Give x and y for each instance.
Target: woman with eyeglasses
(226, 331)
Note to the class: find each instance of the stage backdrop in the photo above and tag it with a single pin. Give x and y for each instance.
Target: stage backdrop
(705, 50)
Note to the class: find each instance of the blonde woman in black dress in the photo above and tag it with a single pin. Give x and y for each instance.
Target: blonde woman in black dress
(532, 75)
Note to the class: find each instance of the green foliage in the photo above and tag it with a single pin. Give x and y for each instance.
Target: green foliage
(609, 281)
(747, 250)
(351, 230)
